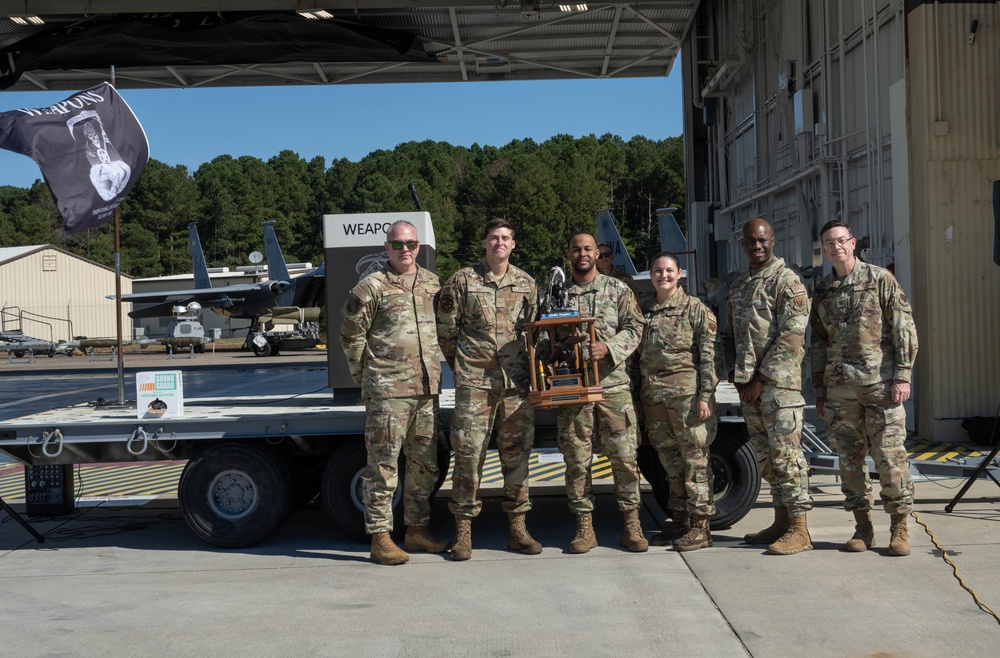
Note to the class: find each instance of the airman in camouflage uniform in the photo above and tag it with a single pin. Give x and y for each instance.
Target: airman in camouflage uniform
(863, 346)
(481, 331)
(764, 347)
(619, 330)
(390, 341)
(677, 365)
(606, 266)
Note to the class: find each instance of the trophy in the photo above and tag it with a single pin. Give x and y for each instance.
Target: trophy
(565, 376)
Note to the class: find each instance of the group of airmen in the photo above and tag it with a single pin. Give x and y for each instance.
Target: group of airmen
(400, 323)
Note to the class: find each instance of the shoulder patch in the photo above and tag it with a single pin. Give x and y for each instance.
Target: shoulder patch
(447, 304)
(353, 304)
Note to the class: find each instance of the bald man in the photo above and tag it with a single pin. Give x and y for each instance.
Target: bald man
(764, 347)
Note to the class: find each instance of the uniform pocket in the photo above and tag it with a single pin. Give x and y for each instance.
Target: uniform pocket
(787, 411)
(481, 307)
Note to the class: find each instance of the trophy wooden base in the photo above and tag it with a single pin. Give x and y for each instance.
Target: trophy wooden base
(565, 395)
(575, 381)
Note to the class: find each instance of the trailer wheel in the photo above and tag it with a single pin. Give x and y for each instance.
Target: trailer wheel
(19, 354)
(235, 495)
(444, 463)
(262, 350)
(342, 490)
(734, 468)
(651, 469)
(737, 477)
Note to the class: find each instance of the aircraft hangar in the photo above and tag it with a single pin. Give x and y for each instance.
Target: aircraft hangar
(53, 295)
(881, 113)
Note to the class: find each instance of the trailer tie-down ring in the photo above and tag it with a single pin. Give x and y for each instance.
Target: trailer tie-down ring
(138, 435)
(55, 437)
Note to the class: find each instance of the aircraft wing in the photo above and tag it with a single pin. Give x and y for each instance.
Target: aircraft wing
(224, 297)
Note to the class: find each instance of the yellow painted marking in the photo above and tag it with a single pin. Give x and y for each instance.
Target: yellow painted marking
(140, 479)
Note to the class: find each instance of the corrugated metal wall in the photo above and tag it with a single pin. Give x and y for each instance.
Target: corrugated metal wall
(954, 160)
(64, 287)
(806, 122)
(884, 79)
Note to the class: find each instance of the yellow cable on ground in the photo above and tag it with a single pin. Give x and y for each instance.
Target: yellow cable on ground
(954, 569)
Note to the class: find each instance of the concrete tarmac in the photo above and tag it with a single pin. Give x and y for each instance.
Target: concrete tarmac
(123, 581)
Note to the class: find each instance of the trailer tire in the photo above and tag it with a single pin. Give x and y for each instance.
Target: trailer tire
(737, 477)
(341, 490)
(19, 354)
(652, 470)
(261, 350)
(234, 495)
(735, 471)
(444, 463)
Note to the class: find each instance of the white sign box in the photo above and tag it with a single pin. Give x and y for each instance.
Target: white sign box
(159, 394)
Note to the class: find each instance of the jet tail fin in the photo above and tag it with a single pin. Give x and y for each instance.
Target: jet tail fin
(671, 236)
(200, 269)
(277, 270)
(607, 233)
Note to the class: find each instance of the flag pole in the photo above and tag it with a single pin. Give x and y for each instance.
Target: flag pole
(118, 295)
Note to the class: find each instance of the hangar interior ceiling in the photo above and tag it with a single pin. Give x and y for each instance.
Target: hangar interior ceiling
(435, 41)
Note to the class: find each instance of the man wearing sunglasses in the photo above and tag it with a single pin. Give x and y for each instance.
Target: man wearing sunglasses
(764, 348)
(389, 337)
(481, 330)
(606, 266)
(863, 346)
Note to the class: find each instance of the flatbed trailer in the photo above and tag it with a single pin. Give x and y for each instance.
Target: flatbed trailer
(251, 459)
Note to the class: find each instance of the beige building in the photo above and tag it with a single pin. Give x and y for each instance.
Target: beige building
(51, 294)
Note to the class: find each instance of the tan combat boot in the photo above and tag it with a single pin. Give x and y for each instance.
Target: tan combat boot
(385, 551)
(462, 549)
(632, 537)
(420, 538)
(699, 536)
(864, 532)
(899, 543)
(773, 532)
(518, 538)
(795, 540)
(681, 524)
(585, 538)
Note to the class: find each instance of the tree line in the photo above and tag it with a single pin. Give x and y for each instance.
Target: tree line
(547, 191)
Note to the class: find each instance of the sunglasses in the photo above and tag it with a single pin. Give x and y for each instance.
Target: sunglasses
(605, 254)
(397, 245)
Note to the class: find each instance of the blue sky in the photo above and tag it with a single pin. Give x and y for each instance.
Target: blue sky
(193, 126)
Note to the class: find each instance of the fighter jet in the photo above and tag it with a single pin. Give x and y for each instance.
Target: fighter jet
(249, 300)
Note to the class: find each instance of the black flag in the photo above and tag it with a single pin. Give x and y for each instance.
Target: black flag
(90, 148)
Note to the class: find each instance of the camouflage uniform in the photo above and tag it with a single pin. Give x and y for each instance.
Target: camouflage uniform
(863, 338)
(764, 338)
(390, 342)
(677, 362)
(625, 278)
(619, 326)
(480, 329)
